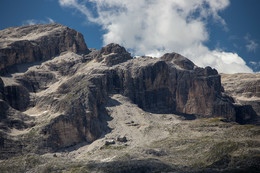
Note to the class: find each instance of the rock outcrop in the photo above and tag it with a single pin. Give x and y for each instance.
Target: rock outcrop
(67, 94)
(37, 42)
(244, 88)
(113, 54)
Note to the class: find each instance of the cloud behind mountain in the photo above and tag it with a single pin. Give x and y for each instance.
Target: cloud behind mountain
(149, 27)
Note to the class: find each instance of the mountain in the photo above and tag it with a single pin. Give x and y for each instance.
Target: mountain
(104, 110)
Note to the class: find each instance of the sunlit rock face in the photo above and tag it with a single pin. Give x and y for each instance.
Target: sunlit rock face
(37, 42)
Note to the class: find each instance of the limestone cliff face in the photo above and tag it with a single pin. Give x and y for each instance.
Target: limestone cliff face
(171, 83)
(67, 94)
(37, 42)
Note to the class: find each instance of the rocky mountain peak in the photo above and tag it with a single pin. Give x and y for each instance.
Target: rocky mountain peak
(113, 48)
(179, 60)
(30, 32)
(113, 54)
(37, 42)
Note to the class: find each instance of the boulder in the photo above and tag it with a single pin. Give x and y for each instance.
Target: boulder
(110, 142)
(121, 139)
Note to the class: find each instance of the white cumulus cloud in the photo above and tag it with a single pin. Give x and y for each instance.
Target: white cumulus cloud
(154, 27)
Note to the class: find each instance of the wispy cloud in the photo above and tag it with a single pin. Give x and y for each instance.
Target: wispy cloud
(151, 27)
(34, 21)
(255, 65)
(251, 45)
(80, 6)
(30, 22)
(50, 20)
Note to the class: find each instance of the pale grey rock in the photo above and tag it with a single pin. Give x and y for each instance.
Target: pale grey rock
(244, 88)
(37, 42)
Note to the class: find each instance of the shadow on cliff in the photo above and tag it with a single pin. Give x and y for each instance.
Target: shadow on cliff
(245, 114)
(166, 110)
(154, 165)
(112, 103)
(186, 116)
(20, 68)
(132, 166)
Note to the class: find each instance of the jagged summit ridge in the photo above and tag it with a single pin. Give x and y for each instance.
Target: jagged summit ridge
(29, 32)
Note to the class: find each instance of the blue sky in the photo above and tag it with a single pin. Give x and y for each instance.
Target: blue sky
(224, 34)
